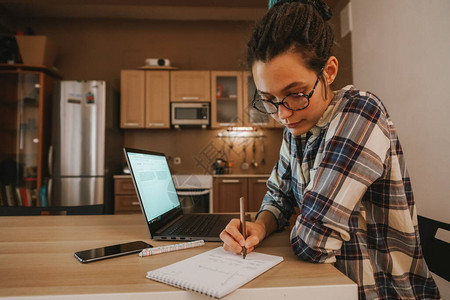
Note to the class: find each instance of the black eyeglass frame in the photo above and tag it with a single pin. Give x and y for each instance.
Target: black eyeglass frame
(277, 104)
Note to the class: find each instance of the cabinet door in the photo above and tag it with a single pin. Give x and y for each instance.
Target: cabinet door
(251, 116)
(227, 193)
(256, 190)
(190, 86)
(125, 198)
(126, 204)
(21, 133)
(25, 131)
(226, 98)
(157, 102)
(132, 100)
(124, 186)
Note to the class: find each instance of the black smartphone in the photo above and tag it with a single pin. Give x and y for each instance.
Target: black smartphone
(91, 255)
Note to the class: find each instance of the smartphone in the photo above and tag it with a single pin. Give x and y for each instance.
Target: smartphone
(91, 255)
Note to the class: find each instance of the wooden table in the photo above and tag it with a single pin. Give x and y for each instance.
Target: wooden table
(36, 260)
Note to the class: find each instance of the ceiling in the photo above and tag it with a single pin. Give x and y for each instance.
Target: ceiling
(220, 10)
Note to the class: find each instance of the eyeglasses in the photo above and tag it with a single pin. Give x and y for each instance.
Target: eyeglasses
(293, 101)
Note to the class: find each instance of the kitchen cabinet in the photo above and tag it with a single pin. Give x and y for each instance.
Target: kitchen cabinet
(228, 190)
(226, 95)
(256, 190)
(252, 117)
(25, 131)
(190, 86)
(125, 197)
(232, 94)
(145, 101)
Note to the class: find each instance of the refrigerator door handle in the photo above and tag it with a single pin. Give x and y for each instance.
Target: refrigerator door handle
(50, 160)
(49, 192)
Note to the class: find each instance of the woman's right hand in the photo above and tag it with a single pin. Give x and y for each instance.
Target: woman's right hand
(234, 241)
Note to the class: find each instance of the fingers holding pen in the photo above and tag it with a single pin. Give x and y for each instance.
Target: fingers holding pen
(251, 243)
(232, 237)
(234, 241)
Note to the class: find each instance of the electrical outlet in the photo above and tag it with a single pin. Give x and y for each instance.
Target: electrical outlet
(177, 160)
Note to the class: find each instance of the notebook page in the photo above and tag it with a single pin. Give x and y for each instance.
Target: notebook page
(215, 272)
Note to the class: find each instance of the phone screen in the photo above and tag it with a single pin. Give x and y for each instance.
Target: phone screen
(90, 255)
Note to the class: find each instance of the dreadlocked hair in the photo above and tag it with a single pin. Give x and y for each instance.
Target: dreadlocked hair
(292, 26)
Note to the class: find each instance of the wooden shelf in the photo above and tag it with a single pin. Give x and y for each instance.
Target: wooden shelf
(22, 67)
(156, 68)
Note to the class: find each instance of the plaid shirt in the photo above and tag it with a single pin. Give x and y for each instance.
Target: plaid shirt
(349, 179)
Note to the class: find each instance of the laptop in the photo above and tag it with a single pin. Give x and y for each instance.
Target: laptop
(160, 204)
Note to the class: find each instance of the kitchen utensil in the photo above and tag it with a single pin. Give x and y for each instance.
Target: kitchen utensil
(254, 162)
(263, 161)
(244, 165)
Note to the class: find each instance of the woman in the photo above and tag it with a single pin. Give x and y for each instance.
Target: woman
(340, 163)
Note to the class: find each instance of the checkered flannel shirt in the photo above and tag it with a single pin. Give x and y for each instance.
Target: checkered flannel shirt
(349, 179)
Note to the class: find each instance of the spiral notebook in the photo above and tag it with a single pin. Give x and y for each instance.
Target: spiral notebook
(215, 272)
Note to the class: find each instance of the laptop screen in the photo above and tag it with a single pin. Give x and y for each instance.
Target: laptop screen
(154, 184)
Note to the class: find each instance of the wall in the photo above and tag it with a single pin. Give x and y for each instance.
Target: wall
(199, 148)
(342, 49)
(93, 49)
(100, 48)
(400, 52)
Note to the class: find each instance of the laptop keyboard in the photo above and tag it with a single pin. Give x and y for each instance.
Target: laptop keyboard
(197, 225)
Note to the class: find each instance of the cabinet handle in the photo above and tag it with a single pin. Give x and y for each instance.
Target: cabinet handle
(230, 180)
(190, 98)
(261, 181)
(50, 160)
(193, 193)
(156, 124)
(226, 124)
(131, 124)
(135, 203)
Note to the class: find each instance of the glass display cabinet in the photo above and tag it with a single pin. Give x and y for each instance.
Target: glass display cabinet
(252, 117)
(226, 95)
(25, 130)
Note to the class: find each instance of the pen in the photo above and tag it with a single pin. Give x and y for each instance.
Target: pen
(170, 248)
(244, 231)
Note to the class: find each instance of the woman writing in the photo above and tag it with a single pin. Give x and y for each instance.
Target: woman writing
(340, 162)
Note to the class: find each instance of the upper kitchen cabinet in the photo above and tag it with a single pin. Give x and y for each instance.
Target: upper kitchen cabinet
(145, 101)
(232, 94)
(157, 101)
(252, 117)
(226, 94)
(190, 86)
(132, 99)
(25, 127)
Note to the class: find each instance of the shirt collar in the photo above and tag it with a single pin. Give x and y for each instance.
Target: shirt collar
(325, 119)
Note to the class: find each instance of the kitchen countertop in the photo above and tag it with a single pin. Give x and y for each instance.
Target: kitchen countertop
(241, 175)
(214, 176)
(122, 176)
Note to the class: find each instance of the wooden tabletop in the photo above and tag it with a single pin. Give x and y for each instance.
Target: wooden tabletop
(36, 259)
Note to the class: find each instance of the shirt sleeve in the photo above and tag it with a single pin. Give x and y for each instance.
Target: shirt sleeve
(354, 155)
(279, 199)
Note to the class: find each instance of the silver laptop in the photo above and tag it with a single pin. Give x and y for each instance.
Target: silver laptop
(160, 204)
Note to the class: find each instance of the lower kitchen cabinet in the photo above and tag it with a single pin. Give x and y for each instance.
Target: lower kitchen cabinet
(256, 190)
(125, 198)
(228, 190)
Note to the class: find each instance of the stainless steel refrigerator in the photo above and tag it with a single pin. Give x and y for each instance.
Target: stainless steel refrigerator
(86, 146)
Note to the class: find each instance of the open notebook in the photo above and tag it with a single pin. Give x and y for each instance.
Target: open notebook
(215, 272)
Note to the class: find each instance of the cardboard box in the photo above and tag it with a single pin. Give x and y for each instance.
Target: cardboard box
(36, 50)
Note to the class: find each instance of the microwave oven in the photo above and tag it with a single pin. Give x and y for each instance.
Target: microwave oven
(192, 113)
